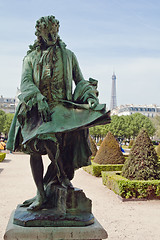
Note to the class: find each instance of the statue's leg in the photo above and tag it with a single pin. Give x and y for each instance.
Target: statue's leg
(57, 161)
(50, 175)
(37, 171)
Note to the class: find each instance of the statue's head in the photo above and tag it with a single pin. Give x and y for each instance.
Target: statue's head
(47, 30)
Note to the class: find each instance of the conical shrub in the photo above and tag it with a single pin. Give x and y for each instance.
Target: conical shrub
(99, 143)
(142, 163)
(131, 143)
(93, 146)
(157, 148)
(109, 151)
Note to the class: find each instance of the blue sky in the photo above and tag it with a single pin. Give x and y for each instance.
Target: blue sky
(106, 36)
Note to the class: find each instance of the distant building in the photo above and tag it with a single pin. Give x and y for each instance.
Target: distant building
(7, 104)
(113, 103)
(128, 109)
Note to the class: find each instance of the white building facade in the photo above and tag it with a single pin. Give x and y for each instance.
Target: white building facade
(7, 104)
(128, 109)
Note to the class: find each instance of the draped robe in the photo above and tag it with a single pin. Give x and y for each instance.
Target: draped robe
(50, 75)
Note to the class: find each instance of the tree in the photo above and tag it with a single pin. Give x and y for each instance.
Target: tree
(117, 126)
(140, 121)
(7, 123)
(2, 120)
(125, 127)
(95, 131)
(142, 163)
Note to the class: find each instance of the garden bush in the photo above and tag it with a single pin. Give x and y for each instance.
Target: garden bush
(109, 151)
(99, 143)
(131, 143)
(157, 148)
(142, 163)
(93, 146)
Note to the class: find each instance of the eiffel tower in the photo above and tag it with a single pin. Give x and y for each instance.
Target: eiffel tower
(113, 103)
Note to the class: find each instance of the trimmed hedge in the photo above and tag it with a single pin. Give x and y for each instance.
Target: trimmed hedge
(131, 189)
(2, 156)
(95, 169)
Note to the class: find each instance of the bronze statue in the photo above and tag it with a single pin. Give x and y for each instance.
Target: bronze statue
(51, 118)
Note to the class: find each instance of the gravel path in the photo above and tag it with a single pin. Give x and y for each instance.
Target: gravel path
(139, 220)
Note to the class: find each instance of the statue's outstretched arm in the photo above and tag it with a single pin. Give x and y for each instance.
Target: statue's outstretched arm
(84, 92)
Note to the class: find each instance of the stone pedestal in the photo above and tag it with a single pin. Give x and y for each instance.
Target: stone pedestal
(15, 232)
(64, 208)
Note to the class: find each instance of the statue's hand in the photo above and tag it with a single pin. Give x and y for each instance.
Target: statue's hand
(43, 109)
(92, 102)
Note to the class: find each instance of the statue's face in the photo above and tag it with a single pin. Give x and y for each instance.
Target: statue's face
(49, 35)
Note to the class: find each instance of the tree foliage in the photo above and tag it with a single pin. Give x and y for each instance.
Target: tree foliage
(5, 121)
(125, 127)
(2, 120)
(142, 163)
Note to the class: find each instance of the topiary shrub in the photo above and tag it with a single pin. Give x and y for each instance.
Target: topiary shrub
(157, 148)
(99, 143)
(142, 163)
(93, 146)
(131, 143)
(109, 151)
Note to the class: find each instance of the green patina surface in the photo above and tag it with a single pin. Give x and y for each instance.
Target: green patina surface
(51, 117)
